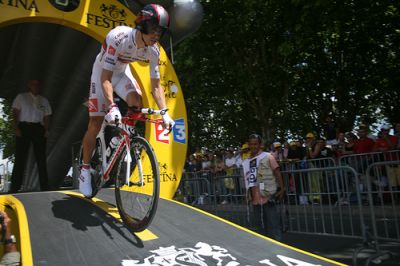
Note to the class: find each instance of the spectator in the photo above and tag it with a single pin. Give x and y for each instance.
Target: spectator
(11, 256)
(351, 140)
(230, 162)
(397, 134)
(243, 154)
(279, 153)
(262, 179)
(219, 165)
(330, 130)
(192, 165)
(386, 143)
(339, 148)
(312, 149)
(230, 167)
(363, 144)
(296, 151)
(31, 123)
(324, 150)
(296, 181)
(314, 178)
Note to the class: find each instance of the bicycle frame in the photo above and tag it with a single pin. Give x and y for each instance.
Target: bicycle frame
(125, 142)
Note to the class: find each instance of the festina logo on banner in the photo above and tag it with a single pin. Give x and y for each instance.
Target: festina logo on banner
(25, 4)
(111, 16)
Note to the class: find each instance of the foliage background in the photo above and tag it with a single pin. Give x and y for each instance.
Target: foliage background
(279, 67)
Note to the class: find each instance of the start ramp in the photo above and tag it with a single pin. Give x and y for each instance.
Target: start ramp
(63, 228)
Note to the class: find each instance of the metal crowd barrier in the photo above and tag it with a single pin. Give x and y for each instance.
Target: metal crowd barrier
(322, 196)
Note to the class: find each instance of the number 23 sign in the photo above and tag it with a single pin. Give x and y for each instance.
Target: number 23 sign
(178, 132)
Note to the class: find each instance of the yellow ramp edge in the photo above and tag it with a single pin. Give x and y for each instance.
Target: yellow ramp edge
(256, 234)
(145, 235)
(20, 227)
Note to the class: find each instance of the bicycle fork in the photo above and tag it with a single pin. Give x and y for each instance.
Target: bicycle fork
(128, 160)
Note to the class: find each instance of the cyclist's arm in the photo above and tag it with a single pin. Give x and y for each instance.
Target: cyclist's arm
(158, 93)
(106, 84)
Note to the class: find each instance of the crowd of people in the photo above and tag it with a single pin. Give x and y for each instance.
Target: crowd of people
(311, 147)
(246, 162)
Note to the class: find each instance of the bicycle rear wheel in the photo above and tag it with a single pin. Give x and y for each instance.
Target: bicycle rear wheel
(137, 202)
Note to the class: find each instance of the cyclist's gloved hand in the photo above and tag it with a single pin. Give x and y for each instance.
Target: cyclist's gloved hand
(113, 113)
(168, 121)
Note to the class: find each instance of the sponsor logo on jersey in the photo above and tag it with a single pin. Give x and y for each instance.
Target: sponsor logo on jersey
(118, 42)
(93, 105)
(93, 88)
(111, 50)
(126, 60)
(110, 61)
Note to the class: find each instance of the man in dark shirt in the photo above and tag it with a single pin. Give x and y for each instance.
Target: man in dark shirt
(330, 130)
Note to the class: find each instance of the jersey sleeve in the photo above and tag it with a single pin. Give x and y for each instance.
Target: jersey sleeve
(154, 62)
(110, 51)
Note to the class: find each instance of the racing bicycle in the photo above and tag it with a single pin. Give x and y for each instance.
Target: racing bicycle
(124, 158)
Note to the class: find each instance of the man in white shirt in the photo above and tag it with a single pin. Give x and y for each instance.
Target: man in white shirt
(31, 124)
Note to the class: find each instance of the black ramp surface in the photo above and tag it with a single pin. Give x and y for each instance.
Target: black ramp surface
(66, 230)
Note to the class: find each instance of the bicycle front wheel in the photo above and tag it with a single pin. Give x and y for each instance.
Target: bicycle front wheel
(137, 201)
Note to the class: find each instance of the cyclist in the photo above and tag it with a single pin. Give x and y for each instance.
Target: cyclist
(111, 73)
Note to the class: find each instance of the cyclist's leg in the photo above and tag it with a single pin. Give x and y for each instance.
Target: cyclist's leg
(96, 106)
(89, 140)
(128, 89)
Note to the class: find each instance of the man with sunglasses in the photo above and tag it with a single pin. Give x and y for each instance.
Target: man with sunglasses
(111, 73)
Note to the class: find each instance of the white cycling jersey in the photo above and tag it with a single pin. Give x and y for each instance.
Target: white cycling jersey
(118, 50)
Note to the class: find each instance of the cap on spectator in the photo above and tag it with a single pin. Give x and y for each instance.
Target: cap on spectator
(385, 127)
(363, 126)
(245, 146)
(277, 144)
(293, 143)
(310, 135)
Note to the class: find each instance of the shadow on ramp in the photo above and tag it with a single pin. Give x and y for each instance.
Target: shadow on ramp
(68, 230)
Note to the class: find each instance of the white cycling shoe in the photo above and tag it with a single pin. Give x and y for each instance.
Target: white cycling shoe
(85, 184)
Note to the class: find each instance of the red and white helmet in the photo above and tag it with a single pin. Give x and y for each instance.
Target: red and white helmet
(152, 19)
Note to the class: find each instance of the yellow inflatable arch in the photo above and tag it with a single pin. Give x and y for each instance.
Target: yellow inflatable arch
(96, 18)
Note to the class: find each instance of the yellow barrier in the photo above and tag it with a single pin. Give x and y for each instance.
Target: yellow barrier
(19, 226)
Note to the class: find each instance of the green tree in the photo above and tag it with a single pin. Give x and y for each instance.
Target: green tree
(279, 67)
